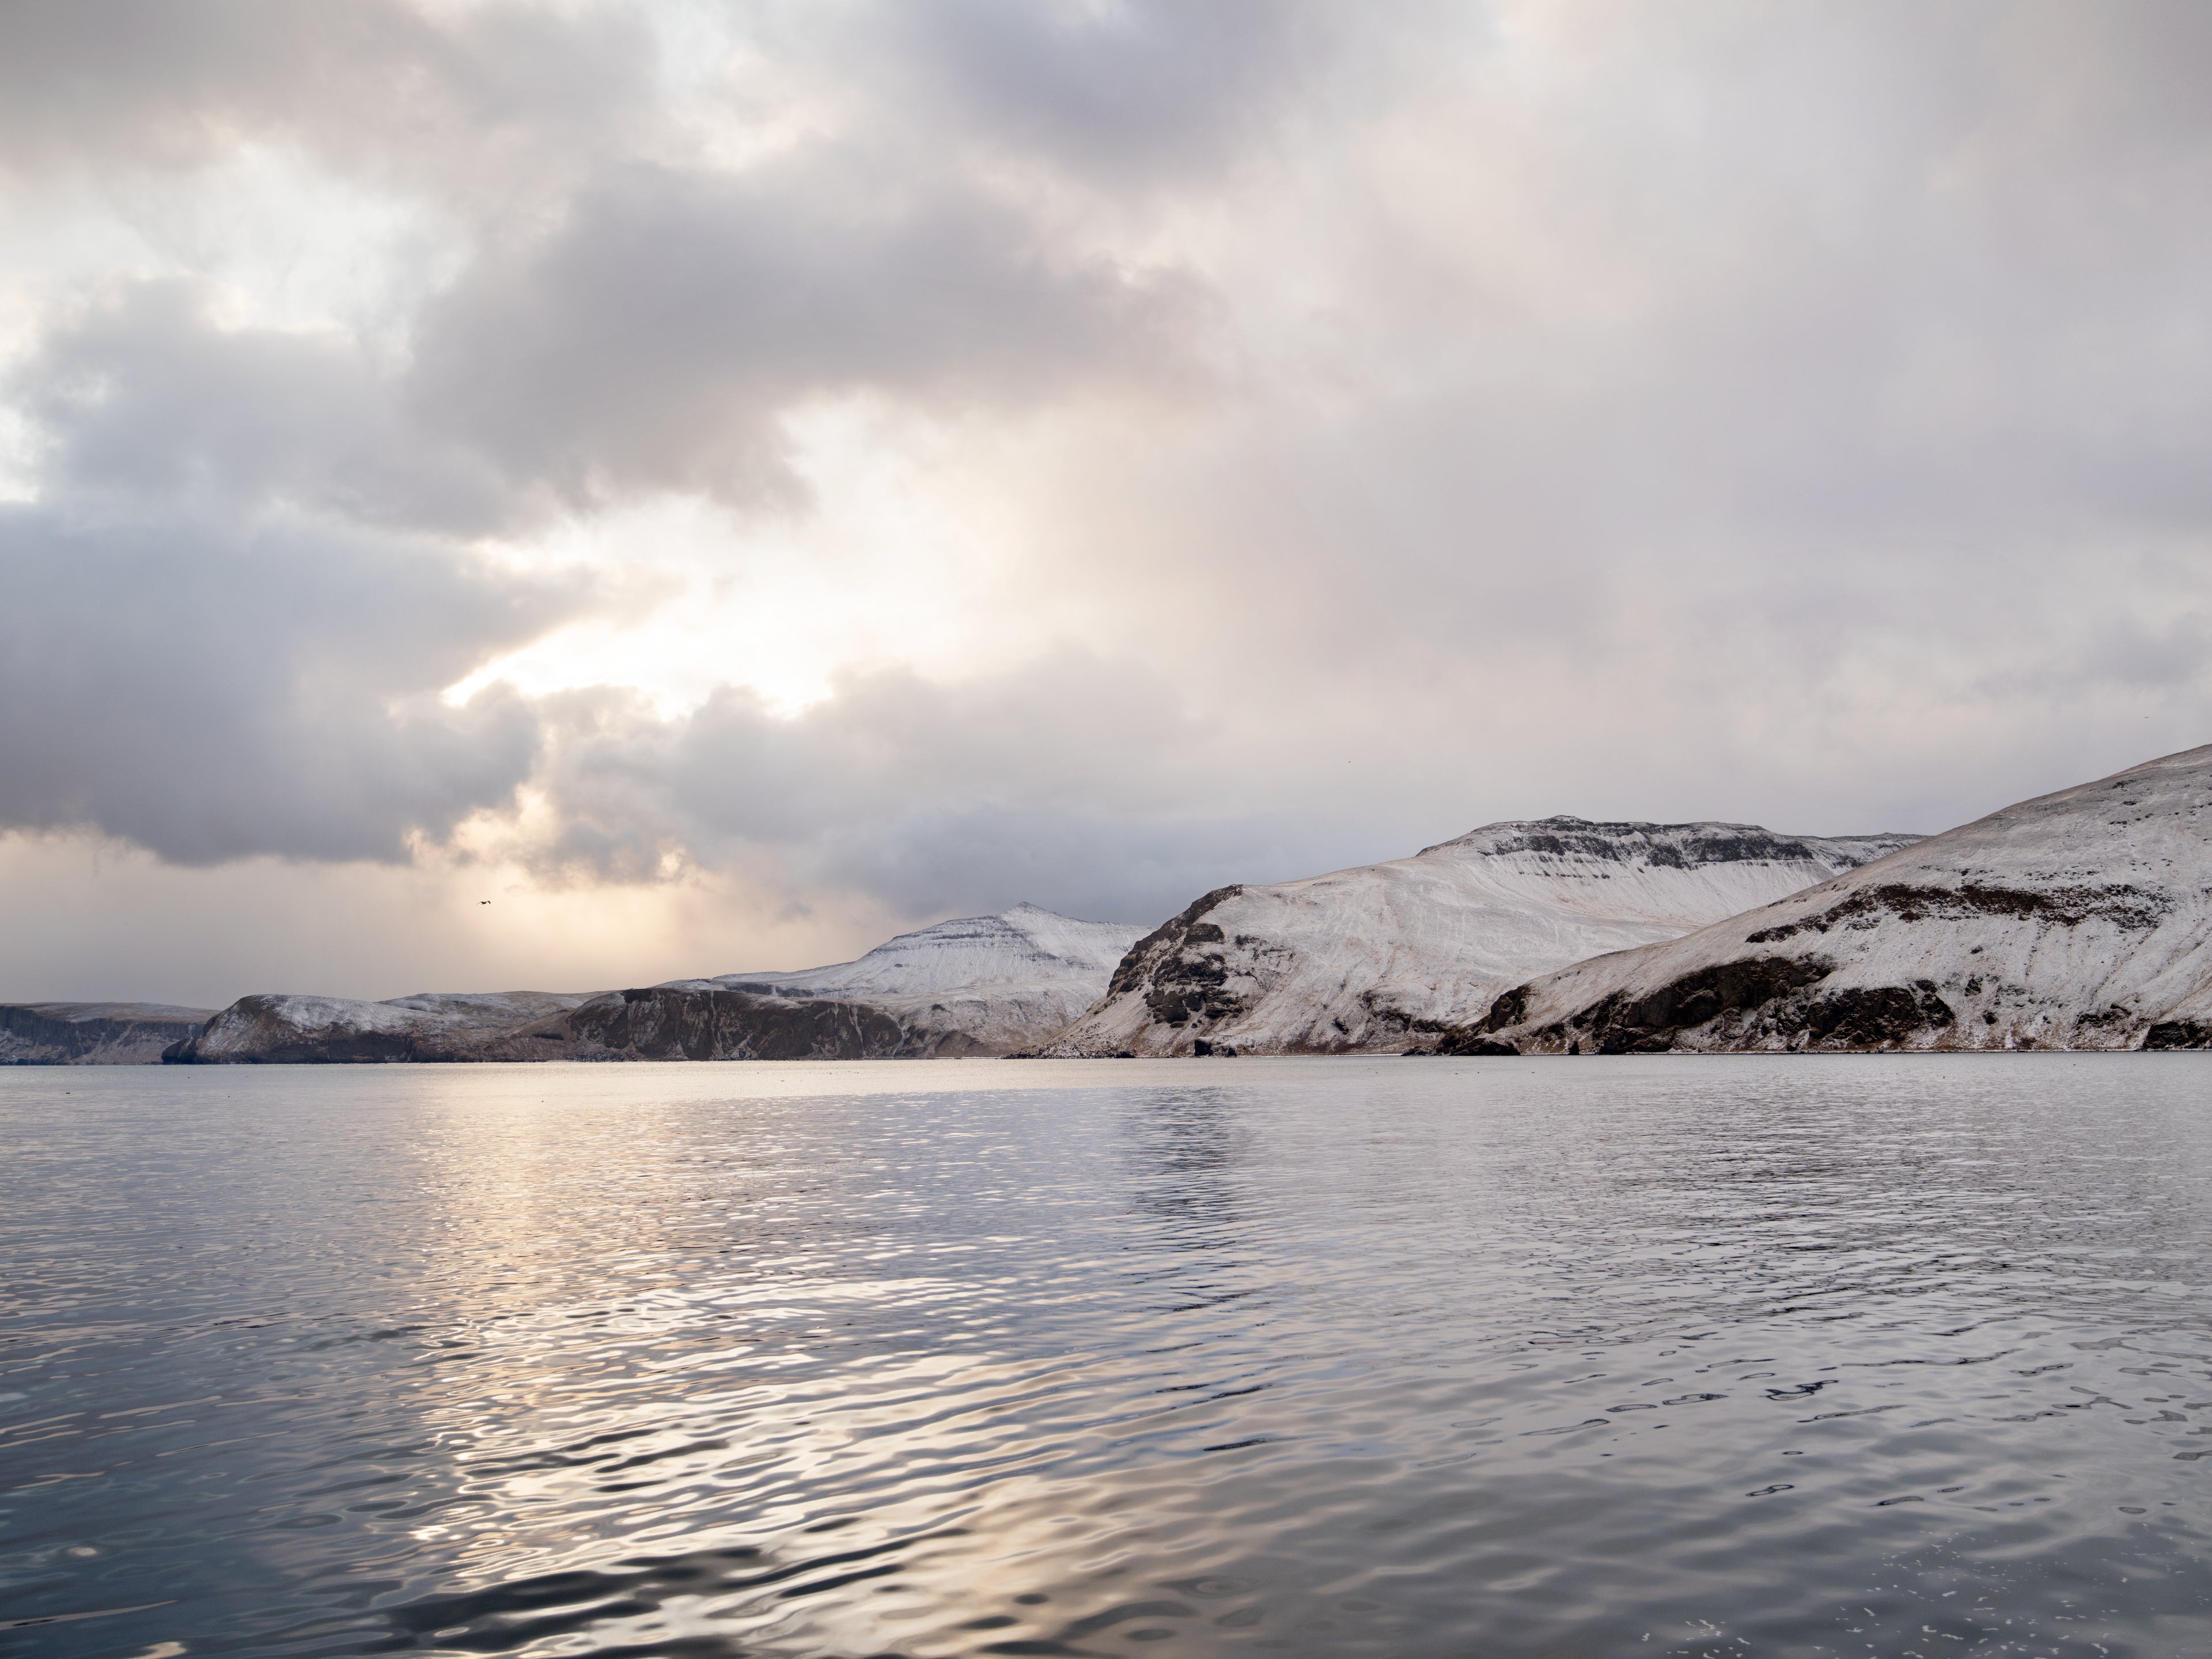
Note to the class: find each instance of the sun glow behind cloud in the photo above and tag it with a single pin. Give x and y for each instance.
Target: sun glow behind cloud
(878, 561)
(858, 462)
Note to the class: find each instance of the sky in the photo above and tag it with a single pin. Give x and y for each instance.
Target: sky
(727, 483)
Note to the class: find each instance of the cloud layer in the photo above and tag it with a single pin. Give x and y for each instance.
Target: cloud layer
(1176, 442)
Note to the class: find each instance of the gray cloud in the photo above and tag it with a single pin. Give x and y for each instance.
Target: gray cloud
(244, 585)
(141, 80)
(1121, 94)
(659, 333)
(214, 691)
(378, 84)
(1713, 409)
(232, 611)
(1081, 784)
(143, 394)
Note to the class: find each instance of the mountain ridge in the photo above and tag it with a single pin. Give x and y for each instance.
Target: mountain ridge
(2080, 919)
(991, 984)
(972, 985)
(1384, 957)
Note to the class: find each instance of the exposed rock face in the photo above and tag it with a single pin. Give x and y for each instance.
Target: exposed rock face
(2079, 919)
(674, 1023)
(1398, 956)
(94, 1033)
(276, 1029)
(1178, 970)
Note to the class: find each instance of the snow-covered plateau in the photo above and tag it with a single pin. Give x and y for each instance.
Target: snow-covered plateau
(2079, 920)
(1387, 956)
(93, 1033)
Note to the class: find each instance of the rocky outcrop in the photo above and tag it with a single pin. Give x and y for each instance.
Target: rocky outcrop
(670, 1023)
(1407, 955)
(274, 1030)
(655, 1023)
(94, 1033)
(1180, 970)
(2079, 920)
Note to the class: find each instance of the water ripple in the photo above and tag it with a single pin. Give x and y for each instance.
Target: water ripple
(1800, 1357)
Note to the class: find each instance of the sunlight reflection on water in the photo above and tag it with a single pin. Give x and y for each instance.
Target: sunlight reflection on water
(1800, 1356)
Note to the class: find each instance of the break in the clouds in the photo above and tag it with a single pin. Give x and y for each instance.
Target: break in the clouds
(891, 459)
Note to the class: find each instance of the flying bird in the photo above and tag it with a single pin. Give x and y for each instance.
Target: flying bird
(483, 901)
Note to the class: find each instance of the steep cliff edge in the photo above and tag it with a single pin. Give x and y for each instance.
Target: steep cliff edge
(1386, 956)
(664, 1022)
(2078, 919)
(278, 1029)
(94, 1033)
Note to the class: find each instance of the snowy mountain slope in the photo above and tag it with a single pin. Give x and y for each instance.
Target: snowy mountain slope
(93, 1033)
(1381, 956)
(1025, 946)
(276, 1029)
(974, 984)
(2081, 920)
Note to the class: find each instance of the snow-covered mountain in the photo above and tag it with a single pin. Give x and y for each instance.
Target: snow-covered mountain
(976, 985)
(981, 985)
(2079, 919)
(93, 1033)
(1385, 956)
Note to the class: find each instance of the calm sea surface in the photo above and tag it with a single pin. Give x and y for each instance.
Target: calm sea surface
(1599, 1356)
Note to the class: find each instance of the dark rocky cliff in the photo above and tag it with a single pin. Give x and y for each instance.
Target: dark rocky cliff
(659, 1022)
(662, 1022)
(93, 1033)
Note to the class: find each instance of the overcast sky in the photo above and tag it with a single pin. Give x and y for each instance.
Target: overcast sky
(727, 483)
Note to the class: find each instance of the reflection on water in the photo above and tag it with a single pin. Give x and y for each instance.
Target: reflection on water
(1660, 1356)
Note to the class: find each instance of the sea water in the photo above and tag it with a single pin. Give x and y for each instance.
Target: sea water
(1655, 1356)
